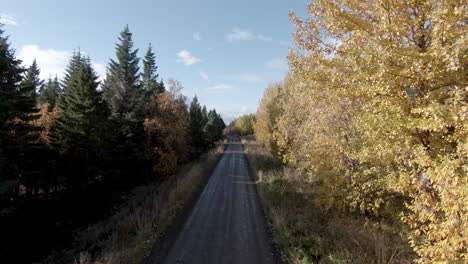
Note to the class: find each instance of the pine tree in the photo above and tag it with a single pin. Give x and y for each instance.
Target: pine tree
(32, 79)
(204, 115)
(214, 128)
(10, 78)
(124, 94)
(81, 106)
(50, 94)
(82, 118)
(149, 77)
(196, 126)
(17, 109)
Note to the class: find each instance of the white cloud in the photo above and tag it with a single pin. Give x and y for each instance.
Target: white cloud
(204, 76)
(264, 38)
(242, 34)
(197, 36)
(51, 61)
(100, 70)
(220, 87)
(279, 64)
(252, 78)
(239, 34)
(8, 19)
(186, 58)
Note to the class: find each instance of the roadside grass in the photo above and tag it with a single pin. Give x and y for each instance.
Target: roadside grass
(306, 233)
(127, 236)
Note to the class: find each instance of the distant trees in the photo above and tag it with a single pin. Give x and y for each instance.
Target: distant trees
(50, 93)
(242, 126)
(374, 109)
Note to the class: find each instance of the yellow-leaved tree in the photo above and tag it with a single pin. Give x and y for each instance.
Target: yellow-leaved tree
(166, 129)
(376, 108)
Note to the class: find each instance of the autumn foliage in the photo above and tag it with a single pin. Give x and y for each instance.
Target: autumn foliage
(166, 130)
(375, 109)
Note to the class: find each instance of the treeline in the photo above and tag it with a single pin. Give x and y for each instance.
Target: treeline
(241, 126)
(60, 139)
(374, 110)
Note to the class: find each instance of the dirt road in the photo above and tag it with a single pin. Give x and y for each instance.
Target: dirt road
(226, 224)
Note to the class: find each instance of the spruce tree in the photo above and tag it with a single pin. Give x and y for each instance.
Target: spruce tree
(196, 126)
(17, 108)
(50, 94)
(124, 94)
(149, 77)
(79, 128)
(214, 128)
(32, 79)
(81, 107)
(204, 115)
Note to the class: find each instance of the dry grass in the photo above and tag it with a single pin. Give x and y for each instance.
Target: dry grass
(308, 234)
(127, 236)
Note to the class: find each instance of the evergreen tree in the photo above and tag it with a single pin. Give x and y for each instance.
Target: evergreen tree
(82, 118)
(32, 79)
(17, 109)
(124, 94)
(50, 93)
(196, 126)
(214, 128)
(149, 77)
(204, 115)
(81, 106)
(10, 77)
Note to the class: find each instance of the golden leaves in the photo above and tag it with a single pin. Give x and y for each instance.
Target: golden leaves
(375, 107)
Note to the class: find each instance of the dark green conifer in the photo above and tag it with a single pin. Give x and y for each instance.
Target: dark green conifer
(149, 77)
(196, 127)
(124, 94)
(32, 80)
(50, 94)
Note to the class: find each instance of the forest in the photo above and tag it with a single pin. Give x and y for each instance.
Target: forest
(70, 147)
(358, 155)
(373, 113)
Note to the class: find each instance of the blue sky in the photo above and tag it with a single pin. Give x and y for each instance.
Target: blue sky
(225, 52)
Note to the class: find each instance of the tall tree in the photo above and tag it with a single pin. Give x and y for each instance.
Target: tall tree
(124, 94)
(50, 93)
(213, 128)
(149, 77)
(17, 109)
(82, 115)
(32, 79)
(166, 128)
(196, 126)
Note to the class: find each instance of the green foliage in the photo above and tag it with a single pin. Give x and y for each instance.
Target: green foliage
(79, 129)
(196, 126)
(149, 77)
(32, 79)
(124, 94)
(17, 109)
(214, 127)
(50, 93)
